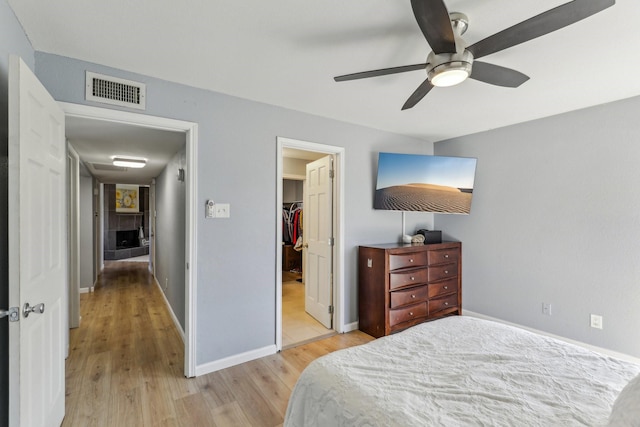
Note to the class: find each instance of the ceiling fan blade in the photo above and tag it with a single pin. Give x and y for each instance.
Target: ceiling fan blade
(497, 75)
(433, 19)
(416, 96)
(382, 72)
(547, 22)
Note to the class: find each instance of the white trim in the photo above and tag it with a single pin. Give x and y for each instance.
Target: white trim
(73, 240)
(338, 270)
(191, 256)
(100, 234)
(237, 359)
(191, 250)
(597, 349)
(349, 327)
(171, 312)
(294, 177)
(86, 290)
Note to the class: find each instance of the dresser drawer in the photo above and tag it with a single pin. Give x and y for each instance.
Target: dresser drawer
(443, 256)
(439, 304)
(443, 288)
(401, 285)
(442, 272)
(413, 259)
(405, 314)
(408, 296)
(412, 277)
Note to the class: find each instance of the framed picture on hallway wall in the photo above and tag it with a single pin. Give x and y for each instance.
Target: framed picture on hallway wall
(127, 198)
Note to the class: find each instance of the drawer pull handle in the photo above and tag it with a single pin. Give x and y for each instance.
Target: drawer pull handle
(446, 255)
(410, 259)
(446, 272)
(446, 287)
(413, 296)
(411, 313)
(413, 278)
(446, 303)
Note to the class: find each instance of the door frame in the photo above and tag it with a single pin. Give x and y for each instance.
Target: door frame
(338, 220)
(152, 228)
(191, 139)
(73, 240)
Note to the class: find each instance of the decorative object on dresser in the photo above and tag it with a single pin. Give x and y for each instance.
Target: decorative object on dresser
(401, 285)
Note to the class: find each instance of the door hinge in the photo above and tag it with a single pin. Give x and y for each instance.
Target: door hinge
(330, 309)
(13, 313)
(332, 173)
(331, 241)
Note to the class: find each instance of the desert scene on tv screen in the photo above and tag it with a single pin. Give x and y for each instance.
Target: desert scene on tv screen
(424, 183)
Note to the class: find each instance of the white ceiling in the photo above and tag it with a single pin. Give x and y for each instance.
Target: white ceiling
(286, 53)
(97, 142)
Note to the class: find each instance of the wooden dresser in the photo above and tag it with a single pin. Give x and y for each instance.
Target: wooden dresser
(401, 285)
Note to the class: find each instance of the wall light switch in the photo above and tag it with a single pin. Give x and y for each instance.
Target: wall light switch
(223, 210)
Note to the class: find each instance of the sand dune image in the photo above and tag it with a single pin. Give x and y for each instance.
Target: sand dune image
(423, 197)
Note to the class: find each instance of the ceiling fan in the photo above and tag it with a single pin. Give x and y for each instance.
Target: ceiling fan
(451, 61)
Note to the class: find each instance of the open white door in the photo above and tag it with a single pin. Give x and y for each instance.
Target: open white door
(37, 251)
(318, 237)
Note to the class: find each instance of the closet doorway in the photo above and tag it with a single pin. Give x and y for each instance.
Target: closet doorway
(308, 258)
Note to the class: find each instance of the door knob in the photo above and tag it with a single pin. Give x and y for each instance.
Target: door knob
(27, 309)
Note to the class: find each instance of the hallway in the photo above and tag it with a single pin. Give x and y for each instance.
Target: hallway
(125, 365)
(125, 361)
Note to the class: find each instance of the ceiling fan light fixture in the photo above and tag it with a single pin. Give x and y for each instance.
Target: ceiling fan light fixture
(125, 162)
(450, 74)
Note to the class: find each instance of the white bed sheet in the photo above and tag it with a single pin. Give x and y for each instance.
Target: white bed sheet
(459, 371)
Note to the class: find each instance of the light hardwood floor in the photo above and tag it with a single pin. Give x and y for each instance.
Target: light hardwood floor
(297, 325)
(125, 366)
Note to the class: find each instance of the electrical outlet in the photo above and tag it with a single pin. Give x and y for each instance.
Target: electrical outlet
(596, 321)
(546, 308)
(222, 210)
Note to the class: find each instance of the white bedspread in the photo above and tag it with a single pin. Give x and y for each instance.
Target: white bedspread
(459, 371)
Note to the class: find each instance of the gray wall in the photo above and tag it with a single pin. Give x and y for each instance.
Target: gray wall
(12, 40)
(236, 265)
(86, 231)
(555, 218)
(170, 234)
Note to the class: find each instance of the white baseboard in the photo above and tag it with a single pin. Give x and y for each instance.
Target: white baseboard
(248, 356)
(173, 315)
(234, 360)
(597, 349)
(350, 327)
(86, 290)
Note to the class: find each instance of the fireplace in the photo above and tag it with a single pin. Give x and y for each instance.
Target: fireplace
(127, 239)
(122, 229)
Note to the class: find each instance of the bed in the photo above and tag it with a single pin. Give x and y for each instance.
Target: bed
(465, 371)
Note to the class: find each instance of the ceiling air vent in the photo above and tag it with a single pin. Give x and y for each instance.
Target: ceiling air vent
(115, 91)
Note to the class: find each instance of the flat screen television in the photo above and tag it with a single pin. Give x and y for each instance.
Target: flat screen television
(415, 182)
